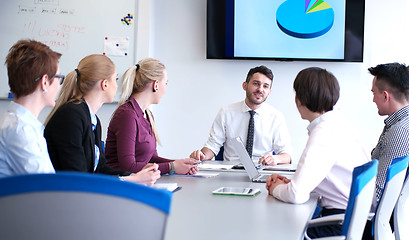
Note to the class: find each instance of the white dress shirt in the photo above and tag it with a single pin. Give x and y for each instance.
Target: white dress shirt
(270, 135)
(326, 164)
(23, 148)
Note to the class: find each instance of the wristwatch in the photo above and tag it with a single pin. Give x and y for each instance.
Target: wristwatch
(171, 168)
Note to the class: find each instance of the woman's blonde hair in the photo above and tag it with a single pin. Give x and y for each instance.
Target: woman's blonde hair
(137, 78)
(82, 80)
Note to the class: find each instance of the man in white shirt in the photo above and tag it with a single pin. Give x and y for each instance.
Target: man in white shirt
(34, 79)
(23, 148)
(268, 140)
(324, 167)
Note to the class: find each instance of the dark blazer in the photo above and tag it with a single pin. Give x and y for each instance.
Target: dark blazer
(71, 141)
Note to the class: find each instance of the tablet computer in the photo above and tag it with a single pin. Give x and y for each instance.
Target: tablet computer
(237, 191)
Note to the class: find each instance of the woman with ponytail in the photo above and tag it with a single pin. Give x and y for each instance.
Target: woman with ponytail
(132, 136)
(73, 130)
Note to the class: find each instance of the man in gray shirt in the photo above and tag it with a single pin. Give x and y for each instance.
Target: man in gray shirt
(390, 90)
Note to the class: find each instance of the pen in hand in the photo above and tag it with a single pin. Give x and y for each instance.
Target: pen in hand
(197, 162)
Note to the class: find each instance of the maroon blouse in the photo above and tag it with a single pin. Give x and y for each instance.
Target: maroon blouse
(130, 143)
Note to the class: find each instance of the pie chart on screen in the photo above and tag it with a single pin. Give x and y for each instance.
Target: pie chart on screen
(305, 18)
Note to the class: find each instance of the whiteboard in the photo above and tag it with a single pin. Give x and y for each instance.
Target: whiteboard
(75, 28)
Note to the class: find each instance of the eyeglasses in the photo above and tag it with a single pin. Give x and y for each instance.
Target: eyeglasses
(59, 76)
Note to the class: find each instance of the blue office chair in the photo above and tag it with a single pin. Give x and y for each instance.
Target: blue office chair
(400, 215)
(80, 206)
(390, 194)
(359, 203)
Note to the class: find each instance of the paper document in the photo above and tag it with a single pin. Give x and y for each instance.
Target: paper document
(280, 167)
(216, 167)
(201, 175)
(167, 186)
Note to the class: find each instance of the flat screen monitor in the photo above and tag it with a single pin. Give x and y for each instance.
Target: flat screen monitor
(286, 30)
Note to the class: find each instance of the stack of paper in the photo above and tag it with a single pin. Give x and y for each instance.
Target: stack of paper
(214, 167)
(201, 175)
(167, 186)
(280, 167)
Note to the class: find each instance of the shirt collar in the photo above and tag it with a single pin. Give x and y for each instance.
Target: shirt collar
(397, 116)
(320, 119)
(93, 116)
(25, 114)
(259, 110)
(136, 106)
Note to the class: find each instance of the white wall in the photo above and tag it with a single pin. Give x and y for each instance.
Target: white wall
(199, 87)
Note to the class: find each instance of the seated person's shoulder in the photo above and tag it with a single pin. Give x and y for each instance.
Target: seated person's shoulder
(272, 112)
(75, 106)
(125, 111)
(8, 119)
(127, 106)
(12, 123)
(401, 129)
(67, 113)
(404, 123)
(233, 107)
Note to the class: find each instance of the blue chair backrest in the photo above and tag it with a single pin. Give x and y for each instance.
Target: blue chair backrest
(80, 206)
(359, 202)
(395, 177)
(400, 217)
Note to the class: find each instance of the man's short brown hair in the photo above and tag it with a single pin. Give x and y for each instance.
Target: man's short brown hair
(26, 61)
(317, 89)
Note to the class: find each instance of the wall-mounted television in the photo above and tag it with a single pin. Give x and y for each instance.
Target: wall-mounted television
(286, 30)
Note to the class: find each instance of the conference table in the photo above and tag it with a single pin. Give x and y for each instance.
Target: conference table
(198, 214)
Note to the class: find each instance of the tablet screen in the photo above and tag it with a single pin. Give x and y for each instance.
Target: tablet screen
(236, 191)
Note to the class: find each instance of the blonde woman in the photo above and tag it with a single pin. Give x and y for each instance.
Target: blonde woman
(73, 130)
(132, 137)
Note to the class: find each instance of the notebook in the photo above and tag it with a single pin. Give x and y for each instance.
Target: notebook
(247, 162)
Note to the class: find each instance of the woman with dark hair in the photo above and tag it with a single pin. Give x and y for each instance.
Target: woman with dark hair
(330, 155)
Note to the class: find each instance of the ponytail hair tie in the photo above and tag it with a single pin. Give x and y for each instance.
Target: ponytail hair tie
(137, 67)
(78, 79)
(78, 73)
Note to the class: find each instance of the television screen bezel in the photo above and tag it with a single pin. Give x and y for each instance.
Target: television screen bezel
(218, 16)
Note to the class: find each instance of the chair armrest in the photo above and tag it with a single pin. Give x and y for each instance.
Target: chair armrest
(327, 220)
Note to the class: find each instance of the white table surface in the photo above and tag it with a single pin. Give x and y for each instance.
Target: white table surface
(198, 214)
